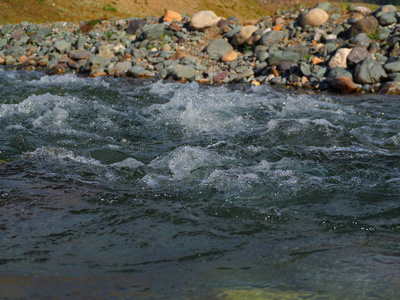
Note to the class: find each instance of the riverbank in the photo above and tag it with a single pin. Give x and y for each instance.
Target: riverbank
(318, 49)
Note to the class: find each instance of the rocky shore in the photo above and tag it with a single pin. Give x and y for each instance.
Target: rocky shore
(317, 49)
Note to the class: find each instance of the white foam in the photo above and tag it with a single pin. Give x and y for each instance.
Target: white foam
(69, 80)
(202, 110)
(182, 161)
(129, 163)
(43, 153)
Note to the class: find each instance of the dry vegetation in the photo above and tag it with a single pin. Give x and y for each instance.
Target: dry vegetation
(40, 11)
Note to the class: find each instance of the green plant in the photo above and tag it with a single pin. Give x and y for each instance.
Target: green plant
(248, 49)
(108, 34)
(374, 35)
(108, 7)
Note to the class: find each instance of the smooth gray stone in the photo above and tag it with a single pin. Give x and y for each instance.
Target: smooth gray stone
(326, 6)
(80, 42)
(392, 67)
(40, 34)
(189, 60)
(96, 61)
(10, 60)
(245, 74)
(140, 53)
(218, 48)
(152, 32)
(301, 50)
(263, 56)
(22, 41)
(184, 72)
(62, 46)
(229, 35)
(15, 51)
(381, 10)
(272, 37)
(394, 77)
(80, 54)
(319, 73)
(279, 56)
(338, 29)
(7, 29)
(361, 40)
(338, 72)
(387, 18)
(136, 71)
(305, 68)
(369, 71)
(3, 43)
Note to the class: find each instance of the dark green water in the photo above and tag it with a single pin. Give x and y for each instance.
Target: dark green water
(117, 189)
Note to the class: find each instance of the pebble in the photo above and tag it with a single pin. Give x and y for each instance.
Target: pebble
(346, 53)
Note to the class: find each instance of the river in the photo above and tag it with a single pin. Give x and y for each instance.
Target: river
(122, 189)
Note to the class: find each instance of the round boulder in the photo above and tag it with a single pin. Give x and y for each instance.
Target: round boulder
(314, 17)
(243, 35)
(204, 19)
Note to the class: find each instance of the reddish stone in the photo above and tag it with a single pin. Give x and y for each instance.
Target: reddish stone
(221, 76)
(343, 85)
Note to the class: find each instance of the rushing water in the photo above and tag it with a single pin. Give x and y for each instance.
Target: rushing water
(113, 188)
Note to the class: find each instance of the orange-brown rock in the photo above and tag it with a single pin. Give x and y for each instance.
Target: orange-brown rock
(230, 56)
(31, 51)
(171, 16)
(343, 85)
(23, 59)
(177, 55)
(2, 59)
(99, 73)
(316, 60)
(204, 81)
